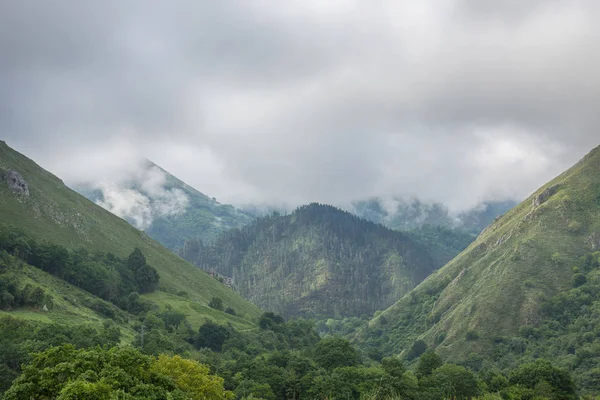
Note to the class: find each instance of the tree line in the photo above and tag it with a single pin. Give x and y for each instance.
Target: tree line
(103, 274)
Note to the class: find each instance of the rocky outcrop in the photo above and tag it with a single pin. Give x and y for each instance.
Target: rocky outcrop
(16, 183)
(594, 241)
(545, 195)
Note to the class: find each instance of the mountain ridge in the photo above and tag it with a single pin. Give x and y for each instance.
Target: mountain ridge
(317, 261)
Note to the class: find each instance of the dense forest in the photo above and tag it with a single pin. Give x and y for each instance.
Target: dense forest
(280, 360)
(317, 261)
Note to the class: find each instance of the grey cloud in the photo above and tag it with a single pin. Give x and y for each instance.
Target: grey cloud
(457, 101)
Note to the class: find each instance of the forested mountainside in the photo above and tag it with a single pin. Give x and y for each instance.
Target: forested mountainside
(526, 288)
(442, 243)
(316, 261)
(190, 213)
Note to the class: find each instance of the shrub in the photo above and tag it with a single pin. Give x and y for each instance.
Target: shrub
(230, 310)
(216, 303)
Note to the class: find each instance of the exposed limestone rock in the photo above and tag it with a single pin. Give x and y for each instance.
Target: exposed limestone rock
(594, 241)
(545, 195)
(16, 183)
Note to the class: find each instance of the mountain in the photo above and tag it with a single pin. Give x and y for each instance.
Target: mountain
(317, 261)
(409, 214)
(52, 222)
(166, 208)
(444, 234)
(527, 287)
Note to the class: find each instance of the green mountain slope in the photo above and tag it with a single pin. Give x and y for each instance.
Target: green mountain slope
(318, 261)
(506, 278)
(171, 210)
(53, 213)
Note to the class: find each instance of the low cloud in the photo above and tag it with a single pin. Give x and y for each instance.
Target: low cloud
(140, 196)
(457, 101)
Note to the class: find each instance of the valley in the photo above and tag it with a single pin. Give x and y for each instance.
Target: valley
(311, 303)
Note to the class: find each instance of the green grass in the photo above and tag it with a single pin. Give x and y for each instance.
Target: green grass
(56, 214)
(500, 281)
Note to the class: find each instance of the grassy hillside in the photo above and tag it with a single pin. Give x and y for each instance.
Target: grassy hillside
(505, 279)
(318, 261)
(54, 213)
(66, 304)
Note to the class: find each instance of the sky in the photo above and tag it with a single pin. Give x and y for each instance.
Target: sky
(271, 102)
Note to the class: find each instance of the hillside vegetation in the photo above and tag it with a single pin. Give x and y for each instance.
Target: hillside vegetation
(49, 212)
(318, 261)
(515, 286)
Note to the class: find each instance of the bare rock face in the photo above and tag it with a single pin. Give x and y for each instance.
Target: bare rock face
(545, 195)
(16, 183)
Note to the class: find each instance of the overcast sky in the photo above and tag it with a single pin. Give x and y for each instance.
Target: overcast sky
(312, 100)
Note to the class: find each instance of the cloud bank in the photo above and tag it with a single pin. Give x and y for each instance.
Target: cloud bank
(138, 193)
(267, 102)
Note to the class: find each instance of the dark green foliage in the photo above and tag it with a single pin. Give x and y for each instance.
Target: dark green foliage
(428, 362)
(19, 338)
(285, 360)
(450, 382)
(230, 310)
(270, 320)
(578, 280)
(471, 335)
(335, 352)
(212, 336)
(11, 296)
(393, 366)
(172, 319)
(542, 372)
(103, 275)
(417, 348)
(144, 275)
(276, 260)
(67, 373)
(216, 303)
